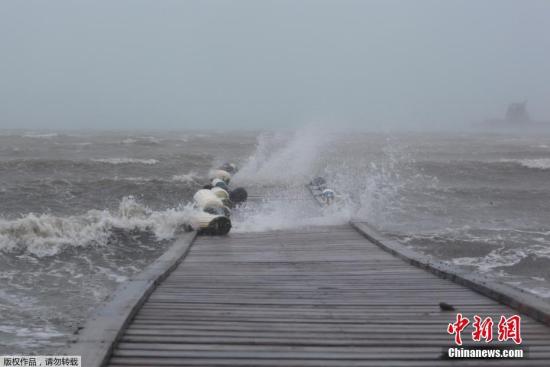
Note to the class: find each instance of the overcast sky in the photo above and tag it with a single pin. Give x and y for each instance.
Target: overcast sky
(261, 64)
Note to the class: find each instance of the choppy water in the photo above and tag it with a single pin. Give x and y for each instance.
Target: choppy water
(82, 212)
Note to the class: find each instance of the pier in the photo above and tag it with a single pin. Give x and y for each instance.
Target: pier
(321, 296)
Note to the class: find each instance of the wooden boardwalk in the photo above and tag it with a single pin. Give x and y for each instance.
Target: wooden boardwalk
(321, 296)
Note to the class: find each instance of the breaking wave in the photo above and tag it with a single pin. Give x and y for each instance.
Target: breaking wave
(189, 178)
(126, 161)
(47, 235)
(537, 163)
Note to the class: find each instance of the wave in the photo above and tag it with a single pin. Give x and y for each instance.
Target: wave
(526, 261)
(190, 178)
(536, 163)
(126, 161)
(517, 257)
(48, 235)
(187, 178)
(41, 136)
(482, 248)
(143, 140)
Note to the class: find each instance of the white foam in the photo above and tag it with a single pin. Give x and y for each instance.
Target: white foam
(46, 332)
(41, 136)
(190, 177)
(141, 139)
(537, 163)
(496, 258)
(134, 179)
(111, 274)
(47, 235)
(126, 161)
(543, 292)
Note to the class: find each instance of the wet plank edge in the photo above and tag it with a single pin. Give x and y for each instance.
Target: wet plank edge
(519, 300)
(105, 327)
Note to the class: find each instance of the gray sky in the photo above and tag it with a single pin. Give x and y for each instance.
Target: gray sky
(260, 64)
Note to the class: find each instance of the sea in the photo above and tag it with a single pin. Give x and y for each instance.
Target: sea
(83, 211)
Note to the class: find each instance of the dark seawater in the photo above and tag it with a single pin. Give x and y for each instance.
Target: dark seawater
(81, 212)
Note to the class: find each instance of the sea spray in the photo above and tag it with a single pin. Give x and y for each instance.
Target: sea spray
(289, 159)
(277, 170)
(369, 187)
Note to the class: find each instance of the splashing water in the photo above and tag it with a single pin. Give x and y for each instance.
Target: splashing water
(283, 159)
(368, 187)
(48, 235)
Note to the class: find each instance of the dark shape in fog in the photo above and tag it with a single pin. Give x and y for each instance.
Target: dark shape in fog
(517, 116)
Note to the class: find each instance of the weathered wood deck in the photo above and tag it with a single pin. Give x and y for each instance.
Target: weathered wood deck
(317, 297)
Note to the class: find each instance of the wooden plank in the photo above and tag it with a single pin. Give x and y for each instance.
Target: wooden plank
(325, 355)
(324, 296)
(290, 348)
(121, 361)
(341, 341)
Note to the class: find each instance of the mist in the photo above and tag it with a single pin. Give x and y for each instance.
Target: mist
(222, 65)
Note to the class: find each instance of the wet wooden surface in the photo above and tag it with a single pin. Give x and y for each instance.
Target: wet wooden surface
(322, 296)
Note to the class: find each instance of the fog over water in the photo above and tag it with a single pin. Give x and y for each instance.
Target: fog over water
(268, 64)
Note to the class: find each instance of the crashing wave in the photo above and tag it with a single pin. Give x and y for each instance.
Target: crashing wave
(47, 235)
(283, 163)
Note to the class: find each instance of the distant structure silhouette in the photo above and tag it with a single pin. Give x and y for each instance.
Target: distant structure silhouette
(517, 118)
(517, 113)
